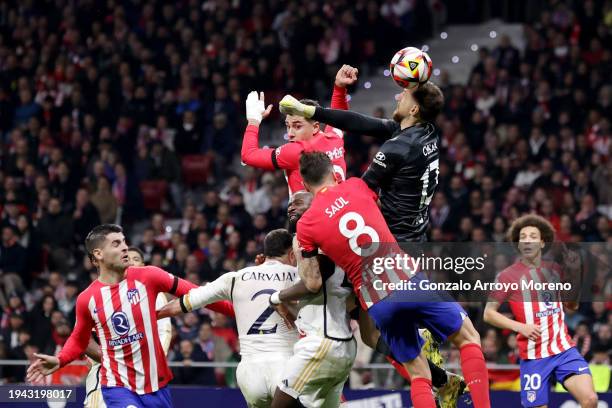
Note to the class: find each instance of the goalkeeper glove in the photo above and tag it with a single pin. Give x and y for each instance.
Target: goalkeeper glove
(254, 107)
(291, 106)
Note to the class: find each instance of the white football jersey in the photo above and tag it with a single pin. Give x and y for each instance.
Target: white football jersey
(260, 328)
(324, 314)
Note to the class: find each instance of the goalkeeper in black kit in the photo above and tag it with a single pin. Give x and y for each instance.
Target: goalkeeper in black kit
(405, 173)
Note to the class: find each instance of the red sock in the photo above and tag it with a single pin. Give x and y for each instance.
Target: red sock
(421, 394)
(476, 375)
(399, 367)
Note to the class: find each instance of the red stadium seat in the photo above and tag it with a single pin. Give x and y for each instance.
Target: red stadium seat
(196, 168)
(153, 193)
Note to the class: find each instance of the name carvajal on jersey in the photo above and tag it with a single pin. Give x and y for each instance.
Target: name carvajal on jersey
(272, 277)
(430, 148)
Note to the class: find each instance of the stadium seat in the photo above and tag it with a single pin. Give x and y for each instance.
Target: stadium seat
(196, 168)
(153, 193)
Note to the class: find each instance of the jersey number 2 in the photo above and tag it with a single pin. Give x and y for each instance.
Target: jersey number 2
(256, 327)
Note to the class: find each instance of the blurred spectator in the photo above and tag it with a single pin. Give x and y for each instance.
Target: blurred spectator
(192, 375)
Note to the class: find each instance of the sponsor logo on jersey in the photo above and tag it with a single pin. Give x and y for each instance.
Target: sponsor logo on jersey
(126, 340)
(133, 296)
(337, 153)
(430, 148)
(548, 312)
(531, 396)
(379, 159)
(120, 322)
(278, 151)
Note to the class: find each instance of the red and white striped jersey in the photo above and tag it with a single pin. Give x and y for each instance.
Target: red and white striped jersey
(345, 223)
(287, 157)
(543, 308)
(124, 318)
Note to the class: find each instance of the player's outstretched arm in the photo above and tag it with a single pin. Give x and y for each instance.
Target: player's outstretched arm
(295, 292)
(166, 282)
(497, 319)
(250, 153)
(43, 366)
(346, 76)
(170, 309)
(341, 119)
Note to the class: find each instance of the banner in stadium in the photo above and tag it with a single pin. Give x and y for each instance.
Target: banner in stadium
(231, 397)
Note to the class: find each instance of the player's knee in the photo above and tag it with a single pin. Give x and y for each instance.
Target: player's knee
(418, 368)
(466, 335)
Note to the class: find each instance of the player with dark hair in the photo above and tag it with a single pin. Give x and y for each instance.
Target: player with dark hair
(120, 306)
(345, 223)
(266, 340)
(405, 172)
(405, 169)
(93, 392)
(545, 347)
(304, 134)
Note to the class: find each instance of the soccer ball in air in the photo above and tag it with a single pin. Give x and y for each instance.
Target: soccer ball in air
(410, 67)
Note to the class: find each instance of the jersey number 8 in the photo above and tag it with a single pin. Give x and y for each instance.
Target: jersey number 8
(358, 230)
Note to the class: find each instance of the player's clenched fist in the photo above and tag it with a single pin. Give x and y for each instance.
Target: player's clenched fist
(346, 76)
(256, 109)
(291, 106)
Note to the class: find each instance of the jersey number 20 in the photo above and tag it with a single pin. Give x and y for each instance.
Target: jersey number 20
(256, 327)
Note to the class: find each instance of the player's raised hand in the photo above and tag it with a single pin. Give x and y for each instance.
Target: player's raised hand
(170, 309)
(531, 331)
(291, 106)
(43, 366)
(256, 109)
(346, 76)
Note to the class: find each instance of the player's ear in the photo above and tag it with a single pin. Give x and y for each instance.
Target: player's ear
(414, 111)
(291, 257)
(96, 255)
(315, 127)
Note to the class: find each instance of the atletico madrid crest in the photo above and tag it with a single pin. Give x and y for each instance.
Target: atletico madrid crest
(133, 296)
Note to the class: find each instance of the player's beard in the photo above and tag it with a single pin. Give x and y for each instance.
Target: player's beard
(292, 225)
(397, 116)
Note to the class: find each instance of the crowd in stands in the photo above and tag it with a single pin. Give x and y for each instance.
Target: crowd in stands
(132, 112)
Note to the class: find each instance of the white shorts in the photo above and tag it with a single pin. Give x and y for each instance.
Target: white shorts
(94, 400)
(317, 371)
(93, 394)
(258, 377)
